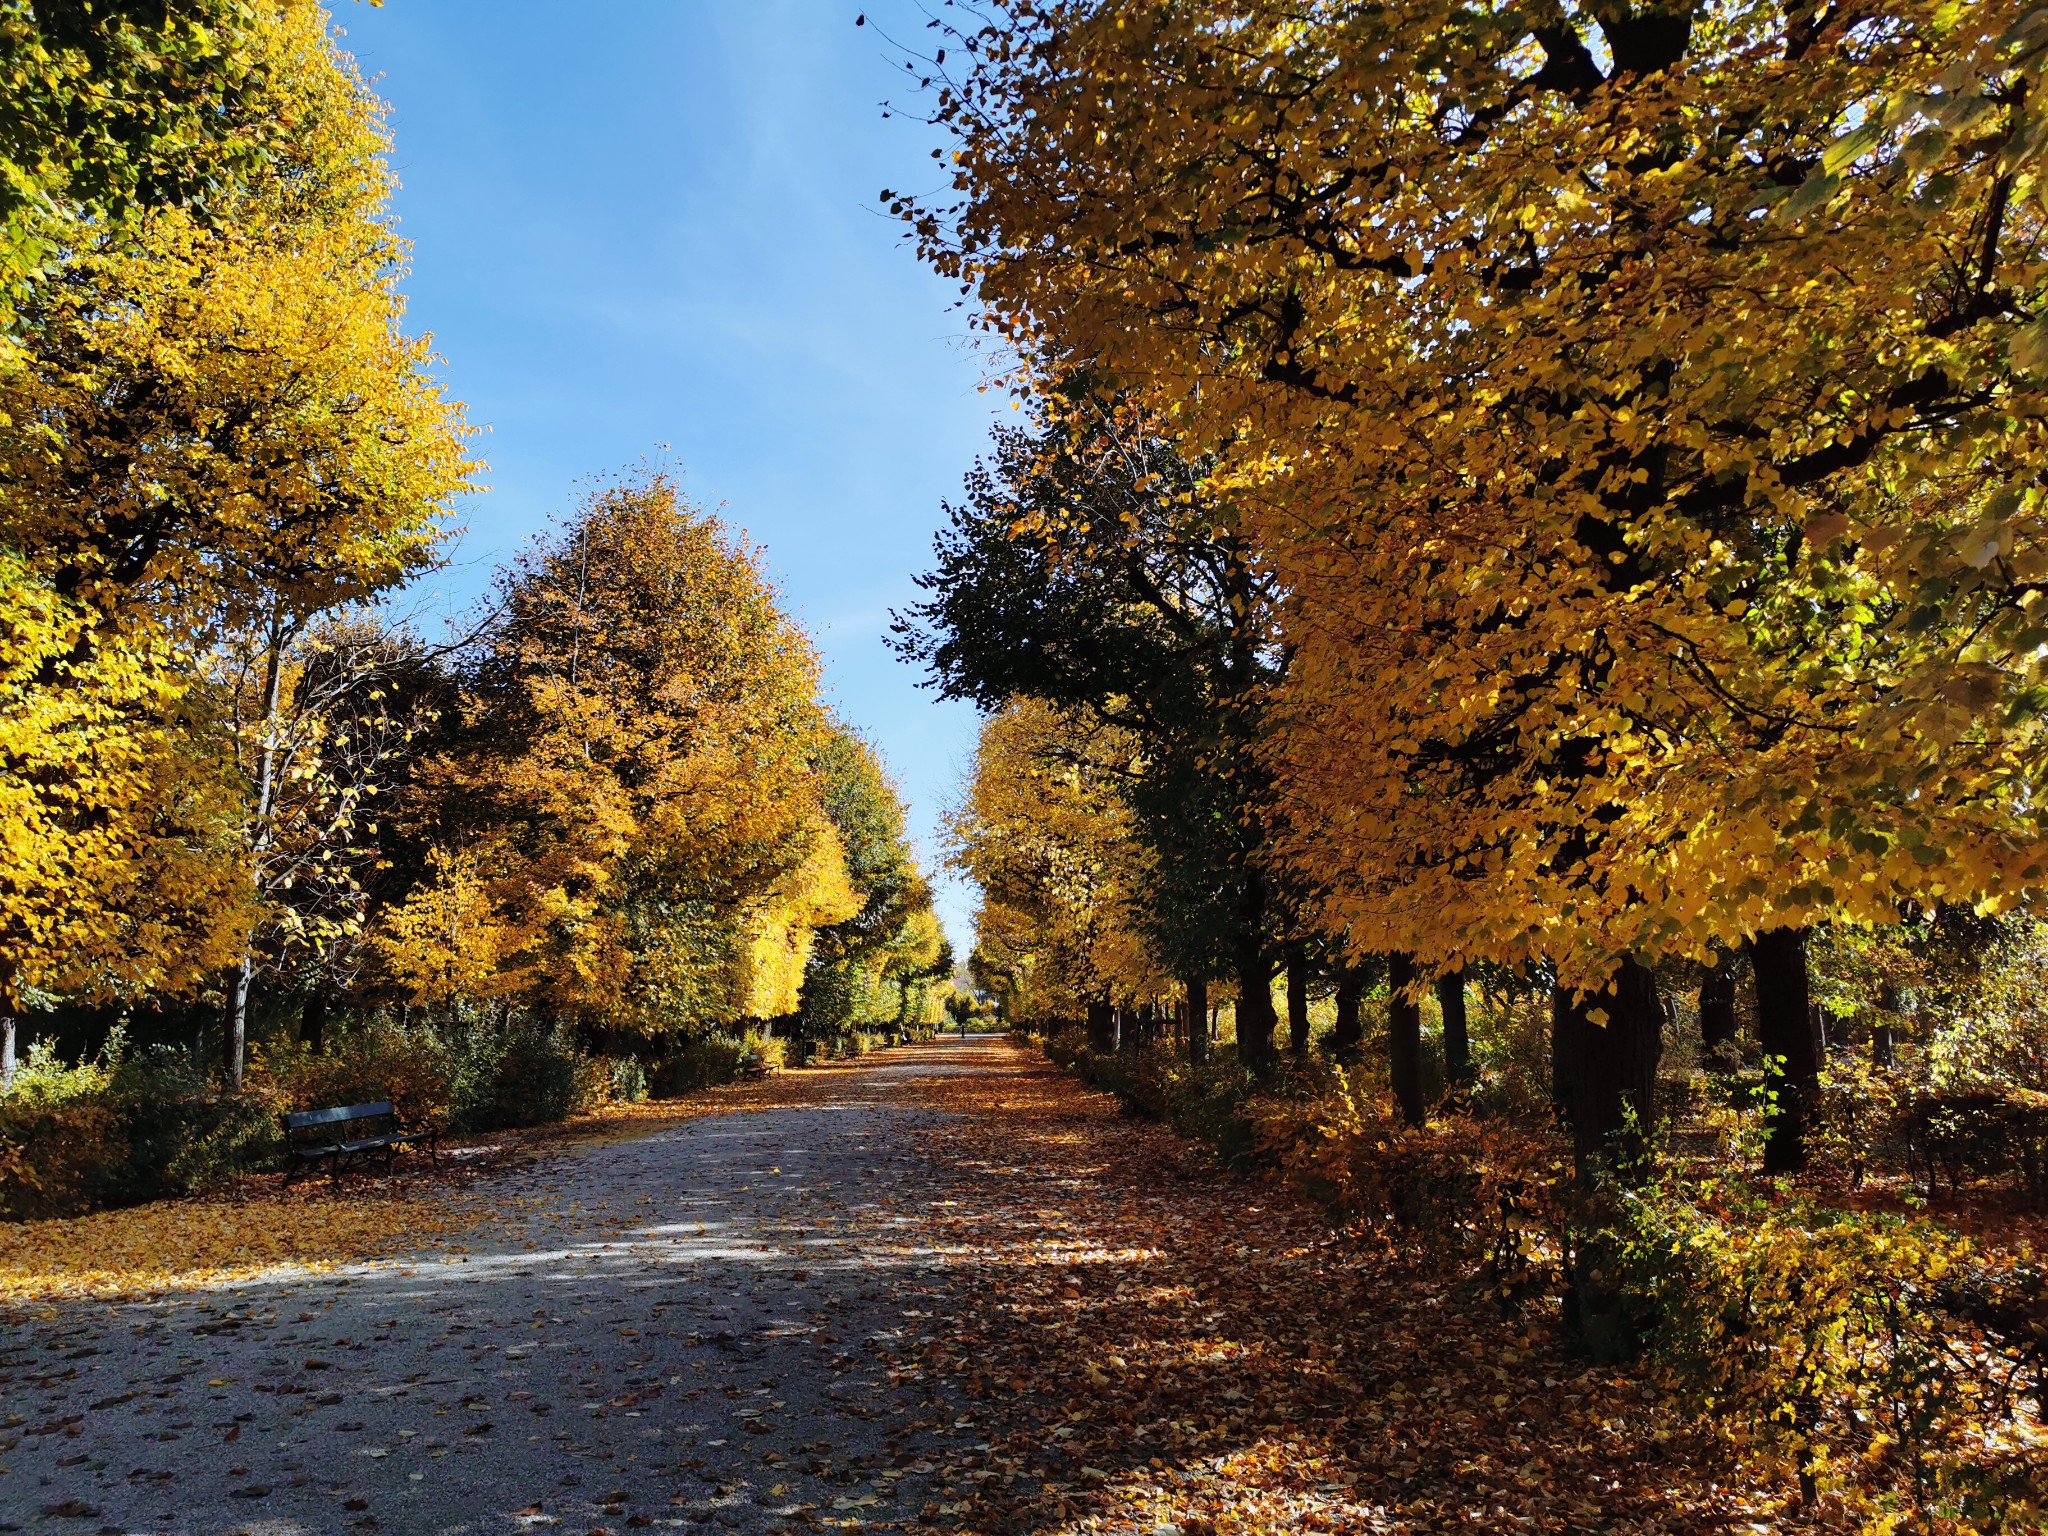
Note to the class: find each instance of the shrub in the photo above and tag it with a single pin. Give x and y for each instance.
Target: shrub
(45, 1082)
(1206, 1103)
(225, 1135)
(516, 1073)
(121, 1130)
(1875, 1359)
(1837, 1345)
(704, 1062)
(602, 1080)
(57, 1159)
(416, 1069)
(1492, 1191)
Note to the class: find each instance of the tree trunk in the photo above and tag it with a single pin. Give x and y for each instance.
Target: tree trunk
(1297, 1006)
(1717, 1009)
(1198, 1020)
(238, 1019)
(6, 1052)
(1101, 1026)
(1604, 1076)
(1404, 1039)
(1786, 1030)
(1255, 1018)
(266, 795)
(1349, 1034)
(1884, 1052)
(1450, 999)
(313, 1020)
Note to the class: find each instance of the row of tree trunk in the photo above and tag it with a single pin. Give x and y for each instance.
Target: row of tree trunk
(1605, 1046)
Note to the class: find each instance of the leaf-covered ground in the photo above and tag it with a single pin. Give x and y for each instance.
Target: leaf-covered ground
(945, 1288)
(257, 1225)
(1165, 1345)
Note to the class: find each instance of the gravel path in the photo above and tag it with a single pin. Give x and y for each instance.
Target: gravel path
(677, 1330)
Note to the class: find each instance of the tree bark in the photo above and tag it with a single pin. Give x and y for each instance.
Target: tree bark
(1787, 1031)
(266, 794)
(6, 1052)
(1450, 1000)
(1101, 1026)
(1717, 1008)
(1297, 1006)
(1349, 1034)
(1255, 1019)
(1884, 1052)
(1604, 1076)
(313, 1020)
(1198, 1020)
(1404, 1039)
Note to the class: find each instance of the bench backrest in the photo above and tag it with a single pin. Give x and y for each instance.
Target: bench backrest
(306, 1119)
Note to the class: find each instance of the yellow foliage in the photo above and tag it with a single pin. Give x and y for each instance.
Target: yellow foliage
(645, 844)
(210, 419)
(779, 931)
(1046, 837)
(120, 868)
(1645, 421)
(218, 417)
(446, 940)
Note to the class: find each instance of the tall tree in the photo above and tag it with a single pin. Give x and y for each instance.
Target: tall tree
(212, 422)
(1637, 401)
(633, 808)
(1044, 832)
(115, 109)
(1088, 569)
(860, 967)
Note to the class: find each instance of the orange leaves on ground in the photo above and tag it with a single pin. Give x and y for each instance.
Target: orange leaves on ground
(216, 1241)
(1154, 1342)
(221, 1238)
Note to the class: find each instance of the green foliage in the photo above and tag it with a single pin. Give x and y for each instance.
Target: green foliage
(374, 1059)
(1090, 569)
(481, 1076)
(123, 1129)
(520, 1073)
(879, 966)
(1209, 1103)
(58, 1158)
(700, 1063)
(116, 107)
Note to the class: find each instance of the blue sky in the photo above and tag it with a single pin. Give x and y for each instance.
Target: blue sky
(648, 230)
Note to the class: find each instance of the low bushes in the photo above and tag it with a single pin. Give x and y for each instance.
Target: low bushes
(127, 1128)
(702, 1063)
(1884, 1363)
(1941, 1134)
(487, 1077)
(1208, 1103)
(1876, 1359)
(122, 1129)
(850, 1046)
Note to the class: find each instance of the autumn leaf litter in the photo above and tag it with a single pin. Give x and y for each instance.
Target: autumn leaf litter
(901, 1295)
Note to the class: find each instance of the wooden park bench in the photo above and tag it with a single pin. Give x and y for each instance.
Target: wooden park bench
(346, 1134)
